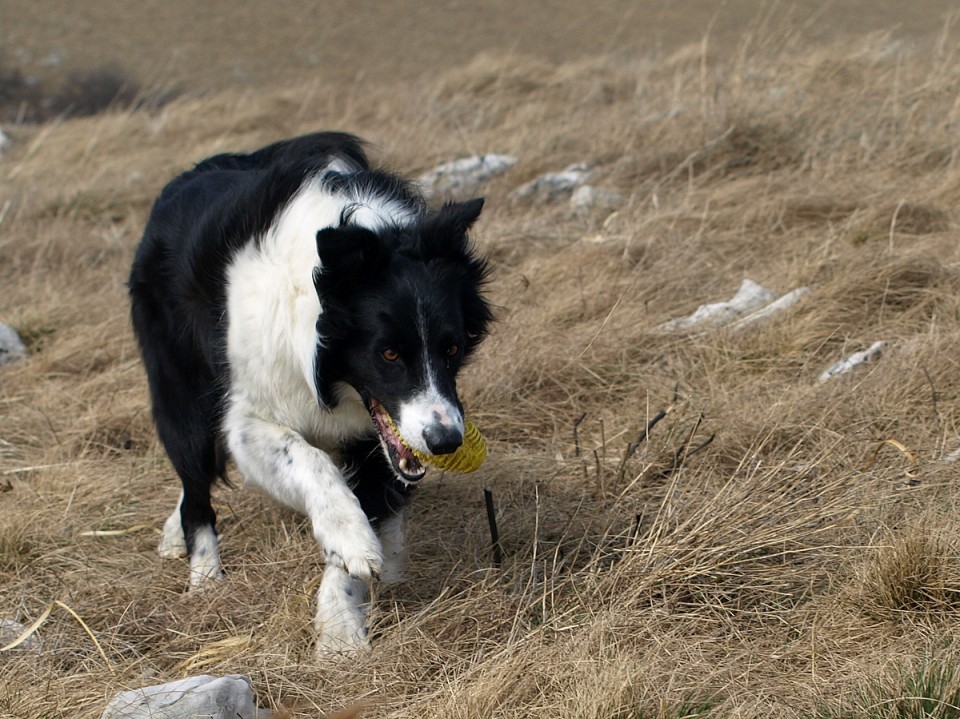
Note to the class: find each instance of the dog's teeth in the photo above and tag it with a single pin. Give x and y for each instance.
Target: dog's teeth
(403, 465)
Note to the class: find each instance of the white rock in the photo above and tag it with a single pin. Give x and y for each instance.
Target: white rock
(774, 308)
(748, 298)
(552, 185)
(461, 179)
(5, 141)
(53, 59)
(587, 198)
(12, 348)
(229, 697)
(872, 353)
(10, 631)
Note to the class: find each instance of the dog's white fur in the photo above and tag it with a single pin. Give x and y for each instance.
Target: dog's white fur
(172, 543)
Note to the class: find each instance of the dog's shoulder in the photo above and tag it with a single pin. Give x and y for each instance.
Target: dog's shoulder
(205, 215)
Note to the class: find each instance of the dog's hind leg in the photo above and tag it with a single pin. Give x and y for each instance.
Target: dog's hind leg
(185, 411)
(191, 446)
(172, 544)
(190, 529)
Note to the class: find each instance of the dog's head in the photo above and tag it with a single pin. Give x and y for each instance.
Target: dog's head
(402, 310)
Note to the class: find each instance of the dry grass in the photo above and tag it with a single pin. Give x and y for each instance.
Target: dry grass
(769, 572)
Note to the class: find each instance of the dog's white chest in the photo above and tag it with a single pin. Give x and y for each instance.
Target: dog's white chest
(272, 341)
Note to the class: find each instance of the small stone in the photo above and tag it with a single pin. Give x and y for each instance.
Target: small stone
(12, 348)
(10, 631)
(5, 141)
(461, 179)
(229, 697)
(587, 198)
(774, 308)
(871, 354)
(749, 297)
(551, 186)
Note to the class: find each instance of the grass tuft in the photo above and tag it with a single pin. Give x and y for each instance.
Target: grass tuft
(917, 571)
(927, 689)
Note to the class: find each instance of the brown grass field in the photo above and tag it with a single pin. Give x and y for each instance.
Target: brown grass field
(803, 563)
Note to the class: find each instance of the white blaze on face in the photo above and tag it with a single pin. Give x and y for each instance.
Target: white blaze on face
(429, 408)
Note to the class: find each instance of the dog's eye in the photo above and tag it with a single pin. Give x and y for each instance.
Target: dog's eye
(390, 354)
(452, 350)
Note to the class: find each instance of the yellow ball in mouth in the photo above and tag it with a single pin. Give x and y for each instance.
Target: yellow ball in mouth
(468, 457)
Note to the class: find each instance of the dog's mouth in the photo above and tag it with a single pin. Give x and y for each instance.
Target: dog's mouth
(408, 468)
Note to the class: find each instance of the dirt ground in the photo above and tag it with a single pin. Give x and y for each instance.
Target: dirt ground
(199, 46)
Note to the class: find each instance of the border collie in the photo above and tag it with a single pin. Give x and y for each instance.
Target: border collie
(287, 303)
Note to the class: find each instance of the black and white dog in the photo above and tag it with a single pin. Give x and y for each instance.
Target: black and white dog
(286, 302)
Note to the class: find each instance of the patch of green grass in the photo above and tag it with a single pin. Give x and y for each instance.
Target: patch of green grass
(926, 690)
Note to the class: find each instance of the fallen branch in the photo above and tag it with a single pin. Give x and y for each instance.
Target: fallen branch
(632, 447)
(686, 450)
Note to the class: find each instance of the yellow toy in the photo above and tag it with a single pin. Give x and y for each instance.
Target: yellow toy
(468, 457)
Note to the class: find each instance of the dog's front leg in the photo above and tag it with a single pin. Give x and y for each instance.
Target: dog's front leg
(285, 466)
(342, 604)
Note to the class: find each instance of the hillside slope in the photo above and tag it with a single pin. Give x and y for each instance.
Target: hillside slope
(773, 546)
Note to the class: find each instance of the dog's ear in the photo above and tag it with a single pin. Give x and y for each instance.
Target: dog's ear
(347, 254)
(350, 257)
(458, 217)
(444, 235)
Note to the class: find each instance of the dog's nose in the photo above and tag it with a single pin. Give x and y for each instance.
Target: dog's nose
(442, 439)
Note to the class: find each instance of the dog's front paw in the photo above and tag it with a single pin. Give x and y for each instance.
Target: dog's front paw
(341, 614)
(354, 547)
(363, 565)
(340, 639)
